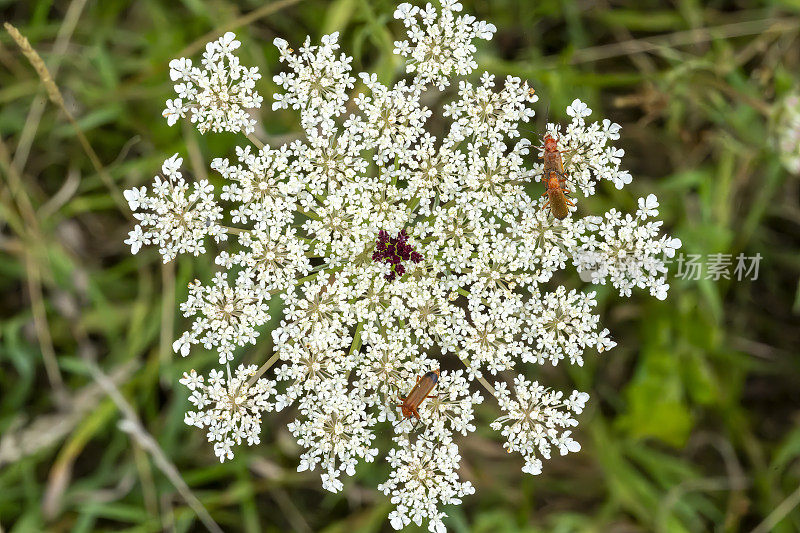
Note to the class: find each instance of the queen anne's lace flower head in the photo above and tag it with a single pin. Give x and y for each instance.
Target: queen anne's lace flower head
(561, 325)
(218, 95)
(229, 407)
(424, 477)
(228, 316)
(336, 432)
(534, 421)
(317, 83)
(439, 43)
(404, 235)
(176, 220)
(626, 250)
(588, 156)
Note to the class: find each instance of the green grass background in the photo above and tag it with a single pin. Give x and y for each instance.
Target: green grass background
(694, 422)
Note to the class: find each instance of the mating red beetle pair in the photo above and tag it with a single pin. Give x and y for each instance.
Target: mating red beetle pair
(553, 178)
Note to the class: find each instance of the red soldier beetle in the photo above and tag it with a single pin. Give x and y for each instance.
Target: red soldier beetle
(422, 389)
(553, 178)
(557, 196)
(553, 162)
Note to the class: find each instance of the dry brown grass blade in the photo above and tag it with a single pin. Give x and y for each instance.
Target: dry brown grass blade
(131, 425)
(42, 326)
(149, 492)
(683, 38)
(37, 63)
(31, 231)
(47, 430)
(65, 32)
(779, 513)
(55, 96)
(244, 20)
(290, 510)
(14, 179)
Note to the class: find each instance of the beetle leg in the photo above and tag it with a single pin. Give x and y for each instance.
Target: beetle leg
(546, 204)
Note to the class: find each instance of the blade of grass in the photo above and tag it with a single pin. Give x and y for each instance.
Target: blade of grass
(131, 425)
(55, 96)
(65, 32)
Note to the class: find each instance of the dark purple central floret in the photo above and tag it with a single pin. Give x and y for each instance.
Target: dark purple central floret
(395, 250)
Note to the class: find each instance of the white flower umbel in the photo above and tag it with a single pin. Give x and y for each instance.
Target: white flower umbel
(626, 250)
(217, 96)
(561, 325)
(319, 357)
(229, 316)
(318, 82)
(173, 218)
(587, 153)
(273, 259)
(405, 233)
(487, 116)
(389, 360)
(335, 430)
(451, 409)
(424, 477)
(229, 407)
(265, 186)
(534, 421)
(441, 45)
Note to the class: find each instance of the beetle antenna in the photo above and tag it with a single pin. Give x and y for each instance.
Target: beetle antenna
(546, 115)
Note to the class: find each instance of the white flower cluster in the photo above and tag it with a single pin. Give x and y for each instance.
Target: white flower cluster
(588, 156)
(563, 326)
(788, 132)
(534, 421)
(626, 250)
(423, 479)
(230, 316)
(172, 218)
(229, 407)
(442, 46)
(400, 252)
(218, 95)
(335, 427)
(318, 83)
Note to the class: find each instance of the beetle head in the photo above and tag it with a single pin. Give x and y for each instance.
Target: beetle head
(550, 143)
(406, 411)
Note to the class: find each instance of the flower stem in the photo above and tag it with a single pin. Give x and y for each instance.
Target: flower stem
(482, 380)
(235, 231)
(253, 139)
(262, 369)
